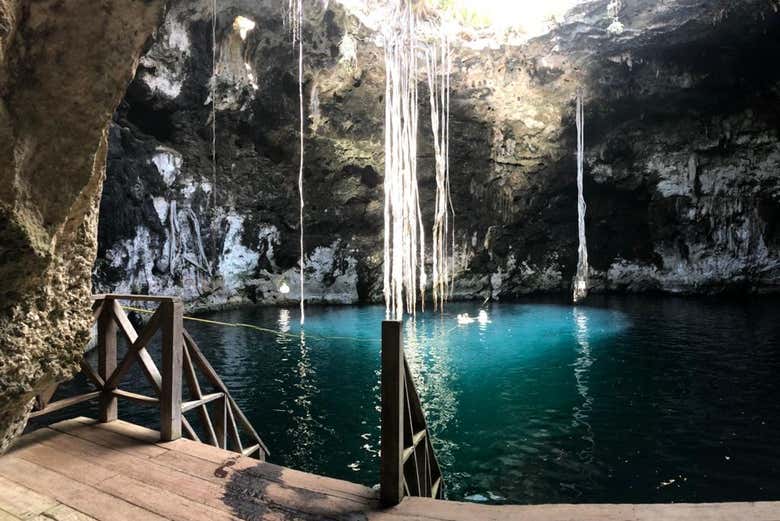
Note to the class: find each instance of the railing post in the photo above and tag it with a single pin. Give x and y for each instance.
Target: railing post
(172, 317)
(392, 440)
(107, 359)
(220, 426)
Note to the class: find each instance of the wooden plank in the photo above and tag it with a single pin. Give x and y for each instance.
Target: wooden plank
(22, 502)
(67, 402)
(181, 459)
(138, 398)
(194, 385)
(6, 516)
(435, 488)
(235, 484)
(172, 345)
(58, 461)
(32, 438)
(124, 322)
(188, 406)
(250, 450)
(415, 441)
(415, 508)
(211, 374)
(755, 511)
(91, 374)
(164, 503)
(64, 513)
(139, 343)
(190, 432)
(285, 495)
(392, 436)
(220, 424)
(97, 309)
(43, 399)
(108, 438)
(84, 498)
(150, 370)
(233, 430)
(124, 428)
(158, 476)
(140, 298)
(297, 478)
(199, 450)
(143, 470)
(107, 359)
(77, 468)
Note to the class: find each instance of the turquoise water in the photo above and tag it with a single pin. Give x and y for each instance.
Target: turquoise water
(619, 400)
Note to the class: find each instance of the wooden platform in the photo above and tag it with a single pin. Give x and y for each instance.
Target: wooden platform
(80, 470)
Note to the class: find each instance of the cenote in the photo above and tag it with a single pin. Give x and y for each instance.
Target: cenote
(622, 399)
(390, 259)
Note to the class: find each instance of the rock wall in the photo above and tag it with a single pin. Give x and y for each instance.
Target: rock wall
(64, 67)
(682, 152)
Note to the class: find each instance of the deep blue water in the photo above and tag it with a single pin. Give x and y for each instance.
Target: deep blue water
(624, 399)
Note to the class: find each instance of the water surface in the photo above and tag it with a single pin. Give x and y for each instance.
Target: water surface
(620, 400)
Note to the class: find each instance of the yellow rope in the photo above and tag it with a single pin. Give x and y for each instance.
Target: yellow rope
(257, 328)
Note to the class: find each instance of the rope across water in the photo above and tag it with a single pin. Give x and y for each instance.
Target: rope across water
(270, 331)
(258, 328)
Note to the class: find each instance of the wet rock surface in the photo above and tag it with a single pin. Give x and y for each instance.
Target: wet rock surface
(682, 173)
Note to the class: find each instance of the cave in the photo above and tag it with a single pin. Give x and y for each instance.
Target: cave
(502, 258)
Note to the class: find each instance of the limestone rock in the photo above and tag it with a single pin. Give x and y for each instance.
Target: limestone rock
(681, 178)
(64, 67)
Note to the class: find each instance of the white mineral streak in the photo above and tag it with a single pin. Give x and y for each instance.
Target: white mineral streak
(613, 11)
(404, 241)
(166, 76)
(168, 163)
(437, 59)
(581, 279)
(237, 261)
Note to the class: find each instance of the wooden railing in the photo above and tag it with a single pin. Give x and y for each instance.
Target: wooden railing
(408, 463)
(180, 357)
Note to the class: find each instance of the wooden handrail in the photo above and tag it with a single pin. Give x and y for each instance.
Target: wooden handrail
(408, 464)
(182, 360)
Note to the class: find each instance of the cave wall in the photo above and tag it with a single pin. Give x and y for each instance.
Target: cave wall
(64, 68)
(682, 156)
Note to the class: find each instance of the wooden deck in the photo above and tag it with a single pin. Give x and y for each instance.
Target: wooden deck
(81, 470)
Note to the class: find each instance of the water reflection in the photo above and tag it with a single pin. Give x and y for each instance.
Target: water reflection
(581, 375)
(284, 321)
(304, 426)
(428, 344)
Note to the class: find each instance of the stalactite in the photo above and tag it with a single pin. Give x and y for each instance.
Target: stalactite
(295, 20)
(581, 278)
(404, 242)
(438, 70)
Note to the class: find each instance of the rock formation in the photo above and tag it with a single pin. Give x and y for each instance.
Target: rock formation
(64, 67)
(682, 165)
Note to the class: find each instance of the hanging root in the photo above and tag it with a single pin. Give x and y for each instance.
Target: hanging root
(173, 225)
(294, 21)
(404, 242)
(195, 226)
(581, 278)
(438, 64)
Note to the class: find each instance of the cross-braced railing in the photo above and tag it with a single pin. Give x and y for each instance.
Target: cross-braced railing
(408, 463)
(180, 357)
